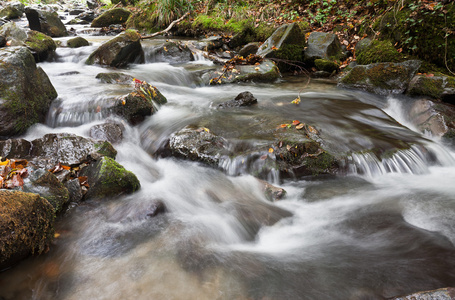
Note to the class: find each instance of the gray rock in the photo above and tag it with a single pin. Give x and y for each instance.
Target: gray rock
(287, 36)
(362, 45)
(172, 52)
(46, 22)
(12, 32)
(323, 45)
(211, 43)
(46, 184)
(41, 45)
(242, 99)
(436, 87)
(120, 51)
(248, 49)
(267, 71)
(111, 132)
(381, 78)
(74, 190)
(2, 41)
(26, 91)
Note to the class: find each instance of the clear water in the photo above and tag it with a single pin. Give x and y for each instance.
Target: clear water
(386, 228)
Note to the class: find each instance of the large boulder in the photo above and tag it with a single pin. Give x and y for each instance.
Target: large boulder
(322, 45)
(437, 87)
(41, 45)
(381, 78)
(287, 43)
(113, 16)
(25, 91)
(120, 51)
(371, 52)
(46, 22)
(13, 10)
(140, 103)
(48, 151)
(26, 226)
(108, 179)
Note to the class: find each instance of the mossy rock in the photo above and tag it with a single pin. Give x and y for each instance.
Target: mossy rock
(422, 32)
(110, 17)
(40, 44)
(326, 65)
(12, 11)
(25, 89)
(145, 21)
(322, 45)
(77, 42)
(380, 51)
(120, 51)
(436, 87)
(26, 226)
(108, 179)
(46, 22)
(381, 78)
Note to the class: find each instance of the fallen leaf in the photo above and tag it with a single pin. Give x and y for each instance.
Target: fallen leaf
(284, 125)
(296, 101)
(288, 147)
(295, 122)
(300, 126)
(270, 150)
(313, 130)
(4, 163)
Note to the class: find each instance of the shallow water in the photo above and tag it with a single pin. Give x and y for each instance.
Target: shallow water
(385, 228)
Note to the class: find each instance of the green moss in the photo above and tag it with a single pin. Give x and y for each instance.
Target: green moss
(428, 86)
(113, 16)
(106, 149)
(380, 51)
(292, 52)
(115, 179)
(39, 42)
(354, 76)
(326, 65)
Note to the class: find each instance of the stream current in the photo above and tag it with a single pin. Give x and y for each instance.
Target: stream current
(386, 228)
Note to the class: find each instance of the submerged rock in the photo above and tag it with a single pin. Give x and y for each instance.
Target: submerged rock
(25, 91)
(120, 51)
(381, 78)
(26, 226)
(242, 99)
(115, 77)
(46, 22)
(108, 179)
(113, 16)
(272, 192)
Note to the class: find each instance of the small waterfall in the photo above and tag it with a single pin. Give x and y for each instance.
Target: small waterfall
(415, 160)
(261, 165)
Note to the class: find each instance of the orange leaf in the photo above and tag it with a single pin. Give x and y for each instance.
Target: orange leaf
(270, 150)
(66, 167)
(295, 122)
(300, 126)
(284, 125)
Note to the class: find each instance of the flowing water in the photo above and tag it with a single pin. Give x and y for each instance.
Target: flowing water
(384, 228)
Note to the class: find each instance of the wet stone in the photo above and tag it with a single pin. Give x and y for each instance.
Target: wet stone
(242, 99)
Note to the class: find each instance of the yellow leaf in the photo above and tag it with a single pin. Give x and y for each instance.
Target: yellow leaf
(165, 49)
(296, 101)
(270, 150)
(56, 235)
(123, 102)
(4, 163)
